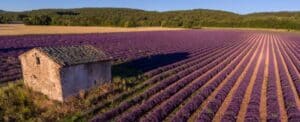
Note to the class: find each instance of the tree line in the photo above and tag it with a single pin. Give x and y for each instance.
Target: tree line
(123, 17)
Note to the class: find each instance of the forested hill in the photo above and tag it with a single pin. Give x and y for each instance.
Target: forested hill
(124, 17)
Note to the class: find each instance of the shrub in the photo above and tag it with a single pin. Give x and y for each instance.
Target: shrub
(130, 24)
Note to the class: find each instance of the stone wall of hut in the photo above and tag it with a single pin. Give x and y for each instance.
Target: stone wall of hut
(41, 74)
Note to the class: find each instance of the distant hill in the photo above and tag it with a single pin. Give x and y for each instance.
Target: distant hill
(125, 17)
(278, 14)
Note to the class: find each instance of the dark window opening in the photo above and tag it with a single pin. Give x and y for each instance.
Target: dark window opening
(34, 77)
(38, 61)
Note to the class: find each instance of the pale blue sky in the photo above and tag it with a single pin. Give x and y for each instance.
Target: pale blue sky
(237, 6)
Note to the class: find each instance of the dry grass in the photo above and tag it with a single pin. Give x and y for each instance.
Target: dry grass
(20, 29)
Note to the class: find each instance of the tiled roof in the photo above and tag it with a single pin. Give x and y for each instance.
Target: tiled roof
(73, 55)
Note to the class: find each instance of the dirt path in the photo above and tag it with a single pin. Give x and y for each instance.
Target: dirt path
(292, 55)
(288, 74)
(173, 113)
(165, 102)
(208, 72)
(263, 97)
(136, 99)
(279, 93)
(214, 93)
(247, 95)
(226, 102)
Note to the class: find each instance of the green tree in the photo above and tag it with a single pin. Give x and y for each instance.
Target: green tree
(45, 20)
(164, 23)
(188, 24)
(1, 19)
(38, 20)
(129, 24)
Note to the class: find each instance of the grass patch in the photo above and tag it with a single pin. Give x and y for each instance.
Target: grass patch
(18, 103)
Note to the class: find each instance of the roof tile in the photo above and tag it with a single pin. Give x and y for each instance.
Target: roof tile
(73, 55)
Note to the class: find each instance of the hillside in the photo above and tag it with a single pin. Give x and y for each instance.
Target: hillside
(124, 17)
(277, 14)
(2, 11)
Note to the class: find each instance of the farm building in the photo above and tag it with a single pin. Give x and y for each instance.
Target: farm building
(61, 72)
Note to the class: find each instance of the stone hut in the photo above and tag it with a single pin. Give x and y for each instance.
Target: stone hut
(60, 72)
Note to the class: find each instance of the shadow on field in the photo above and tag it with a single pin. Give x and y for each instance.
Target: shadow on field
(139, 66)
(5, 50)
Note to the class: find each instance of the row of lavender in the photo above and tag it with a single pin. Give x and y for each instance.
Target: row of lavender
(171, 85)
(182, 74)
(197, 86)
(289, 76)
(188, 84)
(199, 91)
(181, 69)
(121, 46)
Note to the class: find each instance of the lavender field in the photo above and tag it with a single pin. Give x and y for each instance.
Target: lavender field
(192, 75)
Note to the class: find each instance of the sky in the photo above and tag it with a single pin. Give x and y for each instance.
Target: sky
(237, 6)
